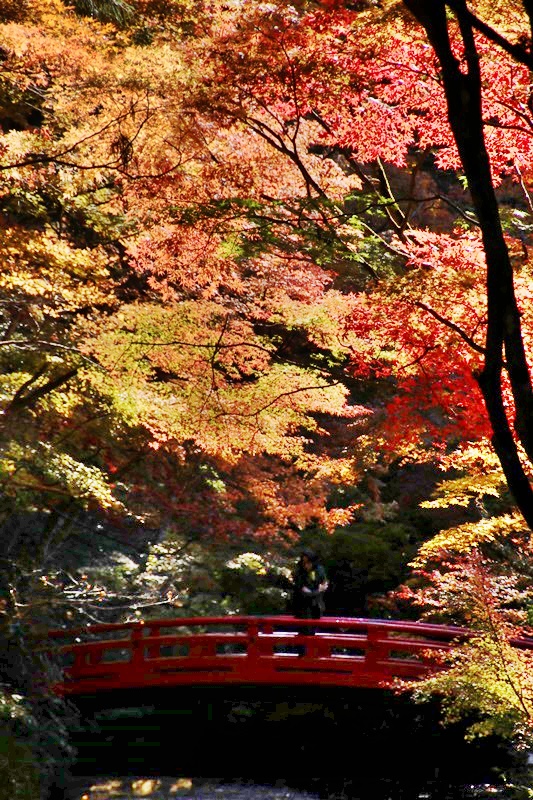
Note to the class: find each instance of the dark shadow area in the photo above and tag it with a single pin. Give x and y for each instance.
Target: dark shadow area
(366, 744)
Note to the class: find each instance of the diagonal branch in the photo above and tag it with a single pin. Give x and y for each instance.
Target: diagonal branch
(21, 400)
(517, 51)
(453, 326)
(276, 399)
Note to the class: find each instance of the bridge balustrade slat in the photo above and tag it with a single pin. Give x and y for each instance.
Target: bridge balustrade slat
(347, 652)
(206, 644)
(92, 653)
(202, 648)
(100, 670)
(203, 638)
(410, 646)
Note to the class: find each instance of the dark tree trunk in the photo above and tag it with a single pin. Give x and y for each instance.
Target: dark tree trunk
(463, 89)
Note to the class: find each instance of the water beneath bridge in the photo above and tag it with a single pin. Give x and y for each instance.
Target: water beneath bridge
(259, 743)
(179, 788)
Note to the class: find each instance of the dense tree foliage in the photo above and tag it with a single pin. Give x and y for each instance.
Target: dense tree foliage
(260, 261)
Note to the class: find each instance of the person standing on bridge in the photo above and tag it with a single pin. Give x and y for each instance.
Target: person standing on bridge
(309, 584)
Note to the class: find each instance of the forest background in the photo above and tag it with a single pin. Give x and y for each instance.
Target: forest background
(266, 282)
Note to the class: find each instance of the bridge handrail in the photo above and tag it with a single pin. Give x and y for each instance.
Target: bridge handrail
(446, 632)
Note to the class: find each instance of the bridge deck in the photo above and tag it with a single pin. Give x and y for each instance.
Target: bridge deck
(247, 650)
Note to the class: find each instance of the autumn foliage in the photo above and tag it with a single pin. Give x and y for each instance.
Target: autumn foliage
(252, 258)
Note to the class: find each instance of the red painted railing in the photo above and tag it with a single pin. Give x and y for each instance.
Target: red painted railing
(247, 650)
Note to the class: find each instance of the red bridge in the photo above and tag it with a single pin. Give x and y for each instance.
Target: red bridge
(247, 650)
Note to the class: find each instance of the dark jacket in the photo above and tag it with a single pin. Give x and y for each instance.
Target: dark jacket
(308, 605)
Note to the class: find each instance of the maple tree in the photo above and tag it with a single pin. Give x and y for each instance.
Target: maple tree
(215, 232)
(84, 231)
(445, 317)
(504, 330)
(488, 673)
(170, 334)
(246, 260)
(160, 368)
(402, 114)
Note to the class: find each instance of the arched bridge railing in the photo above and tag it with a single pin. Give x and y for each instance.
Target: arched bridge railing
(332, 651)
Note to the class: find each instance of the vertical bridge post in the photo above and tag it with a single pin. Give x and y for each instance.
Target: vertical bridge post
(137, 648)
(253, 649)
(376, 650)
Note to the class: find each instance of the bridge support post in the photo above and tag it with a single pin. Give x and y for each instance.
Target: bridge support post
(253, 648)
(137, 649)
(312, 649)
(376, 649)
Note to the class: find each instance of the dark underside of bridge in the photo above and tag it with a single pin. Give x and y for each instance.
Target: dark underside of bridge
(310, 738)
